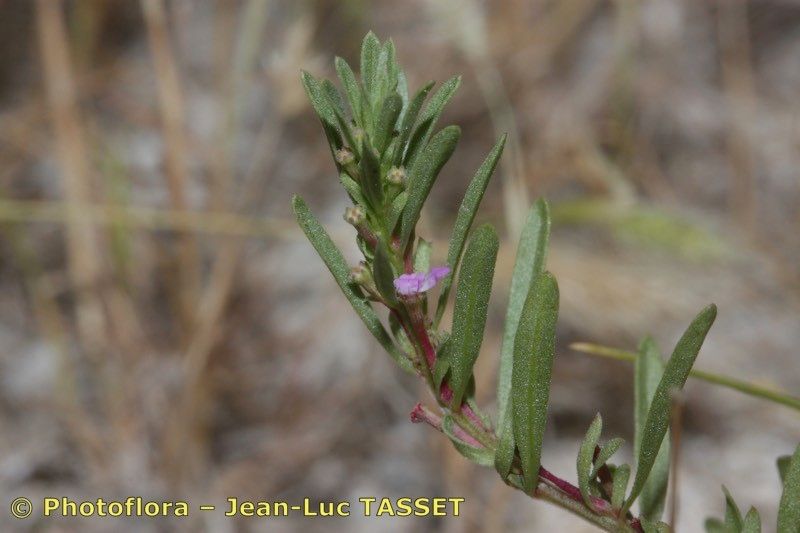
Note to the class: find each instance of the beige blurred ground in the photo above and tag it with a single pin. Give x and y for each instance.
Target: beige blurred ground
(151, 352)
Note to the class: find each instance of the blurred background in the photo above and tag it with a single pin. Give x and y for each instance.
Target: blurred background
(167, 332)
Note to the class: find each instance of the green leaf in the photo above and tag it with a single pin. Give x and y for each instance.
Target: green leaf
(606, 452)
(334, 97)
(752, 522)
(423, 174)
(534, 350)
(333, 259)
(396, 211)
(370, 55)
(584, 462)
(387, 119)
(402, 90)
(387, 76)
(675, 375)
(442, 365)
(654, 527)
(481, 456)
(428, 120)
(321, 104)
(336, 105)
(531, 256)
(353, 189)
(384, 275)
(472, 304)
(409, 118)
(370, 168)
(504, 456)
(783, 466)
(466, 214)
(422, 256)
(789, 509)
(351, 87)
(733, 516)
(648, 370)
(619, 485)
(714, 525)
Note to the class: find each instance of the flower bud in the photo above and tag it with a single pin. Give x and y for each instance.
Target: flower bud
(344, 156)
(396, 176)
(361, 275)
(355, 215)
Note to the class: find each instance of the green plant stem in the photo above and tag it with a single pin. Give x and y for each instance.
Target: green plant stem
(757, 391)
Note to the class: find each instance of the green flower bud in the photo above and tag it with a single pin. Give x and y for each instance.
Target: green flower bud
(361, 275)
(396, 176)
(344, 156)
(355, 215)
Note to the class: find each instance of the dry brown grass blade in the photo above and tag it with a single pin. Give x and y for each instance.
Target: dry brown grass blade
(84, 260)
(172, 118)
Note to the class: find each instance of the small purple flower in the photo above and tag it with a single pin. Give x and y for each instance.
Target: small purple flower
(419, 282)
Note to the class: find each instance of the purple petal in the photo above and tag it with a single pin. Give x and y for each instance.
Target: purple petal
(438, 273)
(419, 282)
(409, 284)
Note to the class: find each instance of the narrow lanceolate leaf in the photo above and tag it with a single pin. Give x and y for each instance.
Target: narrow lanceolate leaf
(466, 214)
(752, 522)
(396, 211)
(714, 525)
(531, 255)
(422, 176)
(351, 87)
(675, 374)
(789, 509)
(481, 456)
(370, 54)
(321, 104)
(428, 119)
(472, 304)
(353, 189)
(336, 105)
(619, 485)
(408, 120)
(606, 452)
(504, 456)
(387, 119)
(584, 462)
(370, 168)
(333, 259)
(422, 256)
(383, 274)
(534, 350)
(387, 71)
(655, 527)
(733, 516)
(333, 95)
(402, 90)
(442, 366)
(648, 369)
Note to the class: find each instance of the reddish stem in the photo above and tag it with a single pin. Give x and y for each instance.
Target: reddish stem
(420, 413)
(571, 490)
(367, 235)
(418, 324)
